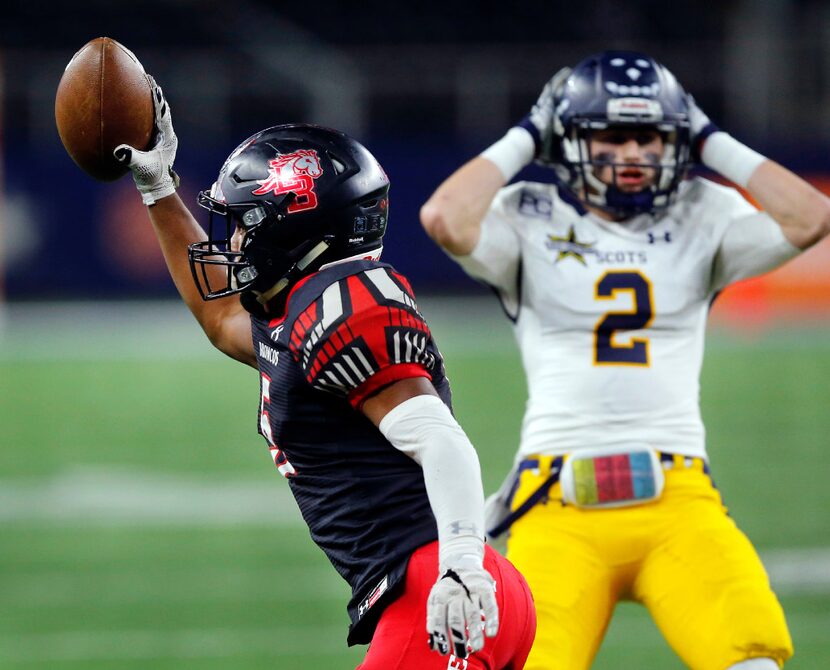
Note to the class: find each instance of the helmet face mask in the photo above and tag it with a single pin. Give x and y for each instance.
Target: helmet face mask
(626, 91)
(286, 201)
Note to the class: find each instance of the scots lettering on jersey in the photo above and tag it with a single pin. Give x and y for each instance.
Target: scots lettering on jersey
(570, 246)
(622, 257)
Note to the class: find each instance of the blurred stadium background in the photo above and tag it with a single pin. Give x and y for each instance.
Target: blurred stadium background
(140, 522)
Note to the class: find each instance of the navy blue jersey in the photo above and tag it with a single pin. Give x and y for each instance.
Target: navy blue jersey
(347, 332)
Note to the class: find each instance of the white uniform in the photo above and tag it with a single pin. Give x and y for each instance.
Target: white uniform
(610, 317)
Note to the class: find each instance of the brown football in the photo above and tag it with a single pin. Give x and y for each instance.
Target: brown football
(104, 99)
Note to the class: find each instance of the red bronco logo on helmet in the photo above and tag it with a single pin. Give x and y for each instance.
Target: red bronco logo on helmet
(294, 172)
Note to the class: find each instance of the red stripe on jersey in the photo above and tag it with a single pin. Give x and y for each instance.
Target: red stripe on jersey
(405, 282)
(383, 378)
(363, 319)
(302, 325)
(368, 320)
(613, 475)
(273, 323)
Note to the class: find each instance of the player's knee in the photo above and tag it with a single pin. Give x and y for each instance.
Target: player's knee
(758, 622)
(754, 633)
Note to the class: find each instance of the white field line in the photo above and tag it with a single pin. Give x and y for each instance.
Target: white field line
(161, 330)
(103, 496)
(110, 496)
(36, 588)
(101, 646)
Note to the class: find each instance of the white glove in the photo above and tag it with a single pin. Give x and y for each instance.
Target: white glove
(153, 170)
(461, 610)
(700, 127)
(541, 114)
(697, 117)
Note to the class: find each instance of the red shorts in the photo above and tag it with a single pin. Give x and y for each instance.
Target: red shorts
(400, 640)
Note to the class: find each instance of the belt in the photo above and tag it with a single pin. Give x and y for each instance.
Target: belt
(679, 461)
(670, 462)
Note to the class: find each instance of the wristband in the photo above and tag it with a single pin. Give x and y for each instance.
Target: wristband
(735, 161)
(512, 152)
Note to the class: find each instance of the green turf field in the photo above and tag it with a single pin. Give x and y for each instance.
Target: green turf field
(143, 526)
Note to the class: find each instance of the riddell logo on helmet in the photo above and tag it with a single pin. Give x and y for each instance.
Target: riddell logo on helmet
(293, 173)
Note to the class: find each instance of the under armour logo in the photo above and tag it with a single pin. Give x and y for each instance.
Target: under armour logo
(652, 238)
(458, 528)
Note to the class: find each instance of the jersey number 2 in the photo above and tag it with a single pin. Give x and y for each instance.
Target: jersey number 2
(634, 352)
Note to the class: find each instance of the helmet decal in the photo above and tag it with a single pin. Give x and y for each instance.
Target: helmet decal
(295, 173)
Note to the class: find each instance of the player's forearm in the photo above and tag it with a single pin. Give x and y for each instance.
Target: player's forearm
(176, 229)
(423, 428)
(802, 211)
(453, 215)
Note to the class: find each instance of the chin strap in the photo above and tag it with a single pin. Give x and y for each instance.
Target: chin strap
(316, 251)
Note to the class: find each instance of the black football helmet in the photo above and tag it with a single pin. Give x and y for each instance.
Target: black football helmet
(304, 196)
(619, 89)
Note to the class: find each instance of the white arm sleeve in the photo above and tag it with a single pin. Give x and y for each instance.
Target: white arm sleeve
(424, 429)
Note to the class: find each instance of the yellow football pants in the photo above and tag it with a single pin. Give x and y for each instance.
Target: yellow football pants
(681, 556)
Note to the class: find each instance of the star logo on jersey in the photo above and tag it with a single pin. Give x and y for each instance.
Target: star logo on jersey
(570, 247)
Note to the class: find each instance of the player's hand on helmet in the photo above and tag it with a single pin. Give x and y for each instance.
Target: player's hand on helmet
(539, 121)
(700, 126)
(153, 169)
(461, 610)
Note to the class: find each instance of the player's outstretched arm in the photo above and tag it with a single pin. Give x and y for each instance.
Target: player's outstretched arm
(453, 214)
(462, 606)
(224, 321)
(802, 211)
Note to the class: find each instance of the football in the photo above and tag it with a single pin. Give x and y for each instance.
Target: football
(104, 99)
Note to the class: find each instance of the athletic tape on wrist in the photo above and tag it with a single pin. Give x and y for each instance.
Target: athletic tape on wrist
(512, 152)
(728, 157)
